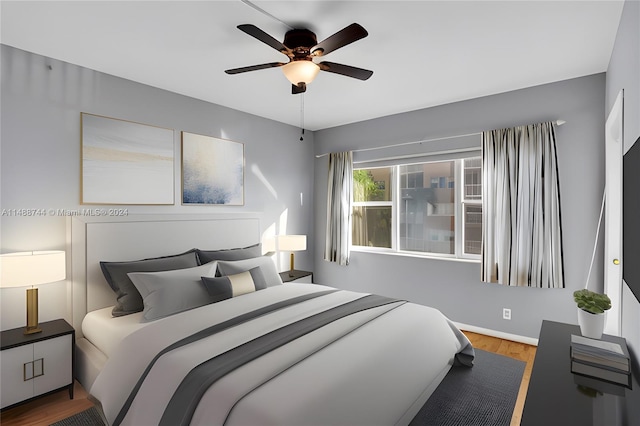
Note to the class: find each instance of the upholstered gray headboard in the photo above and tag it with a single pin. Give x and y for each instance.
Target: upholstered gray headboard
(95, 239)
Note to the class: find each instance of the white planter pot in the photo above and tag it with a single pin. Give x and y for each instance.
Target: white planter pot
(591, 325)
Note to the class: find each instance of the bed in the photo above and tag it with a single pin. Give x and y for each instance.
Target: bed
(256, 351)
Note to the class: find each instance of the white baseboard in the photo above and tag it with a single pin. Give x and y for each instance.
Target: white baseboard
(498, 334)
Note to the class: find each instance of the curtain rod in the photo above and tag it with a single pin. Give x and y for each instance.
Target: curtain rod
(403, 157)
(556, 122)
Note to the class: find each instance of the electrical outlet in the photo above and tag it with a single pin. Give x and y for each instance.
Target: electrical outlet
(506, 313)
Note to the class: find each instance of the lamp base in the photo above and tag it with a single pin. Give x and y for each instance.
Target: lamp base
(32, 330)
(32, 312)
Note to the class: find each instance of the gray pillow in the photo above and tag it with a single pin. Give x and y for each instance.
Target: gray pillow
(128, 298)
(265, 264)
(169, 292)
(222, 288)
(206, 256)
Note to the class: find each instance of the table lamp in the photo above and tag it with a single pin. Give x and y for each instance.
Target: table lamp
(29, 269)
(292, 243)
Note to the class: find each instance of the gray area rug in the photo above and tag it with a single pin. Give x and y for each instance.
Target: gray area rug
(484, 395)
(89, 417)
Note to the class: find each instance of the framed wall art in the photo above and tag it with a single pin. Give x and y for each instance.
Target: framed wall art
(125, 162)
(212, 171)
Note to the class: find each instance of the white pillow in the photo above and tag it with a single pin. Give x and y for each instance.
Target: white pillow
(169, 292)
(265, 264)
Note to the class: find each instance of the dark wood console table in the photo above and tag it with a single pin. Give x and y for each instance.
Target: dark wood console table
(554, 398)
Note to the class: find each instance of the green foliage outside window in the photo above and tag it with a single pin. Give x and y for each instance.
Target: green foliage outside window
(364, 187)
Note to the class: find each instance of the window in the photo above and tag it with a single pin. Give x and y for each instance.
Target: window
(420, 208)
(372, 207)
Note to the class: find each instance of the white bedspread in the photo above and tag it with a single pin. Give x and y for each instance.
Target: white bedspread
(106, 332)
(375, 367)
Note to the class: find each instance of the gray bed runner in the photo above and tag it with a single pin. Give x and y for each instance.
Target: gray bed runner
(185, 400)
(240, 319)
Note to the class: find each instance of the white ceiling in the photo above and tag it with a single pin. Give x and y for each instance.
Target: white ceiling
(423, 53)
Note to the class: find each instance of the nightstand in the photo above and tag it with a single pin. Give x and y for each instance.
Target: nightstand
(36, 364)
(297, 276)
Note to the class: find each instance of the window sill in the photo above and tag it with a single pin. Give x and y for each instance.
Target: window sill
(360, 249)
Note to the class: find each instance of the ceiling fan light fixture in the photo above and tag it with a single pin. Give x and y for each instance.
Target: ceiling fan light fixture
(300, 71)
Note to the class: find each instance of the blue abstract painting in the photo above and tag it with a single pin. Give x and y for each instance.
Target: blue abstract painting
(212, 170)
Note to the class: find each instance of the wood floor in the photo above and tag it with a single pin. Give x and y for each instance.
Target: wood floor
(47, 409)
(520, 351)
(52, 408)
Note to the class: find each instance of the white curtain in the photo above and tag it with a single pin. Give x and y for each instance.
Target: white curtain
(339, 190)
(522, 238)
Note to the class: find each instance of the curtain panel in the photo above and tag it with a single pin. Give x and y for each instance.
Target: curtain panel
(339, 196)
(522, 235)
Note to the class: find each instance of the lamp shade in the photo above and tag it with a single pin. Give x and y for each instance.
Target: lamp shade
(32, 268)
(300, 71)
(292, 242)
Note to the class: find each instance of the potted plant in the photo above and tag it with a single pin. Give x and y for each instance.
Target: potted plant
(591, 309)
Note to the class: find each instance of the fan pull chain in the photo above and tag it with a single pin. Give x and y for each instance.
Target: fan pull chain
(302, 116)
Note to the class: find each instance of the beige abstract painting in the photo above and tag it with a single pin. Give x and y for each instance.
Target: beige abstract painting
(126, 163)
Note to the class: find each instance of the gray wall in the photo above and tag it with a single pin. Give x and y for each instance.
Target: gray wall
(40, 155)
(624, 73)
(455, 287)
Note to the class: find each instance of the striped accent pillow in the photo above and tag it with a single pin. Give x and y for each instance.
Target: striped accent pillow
(226, 287)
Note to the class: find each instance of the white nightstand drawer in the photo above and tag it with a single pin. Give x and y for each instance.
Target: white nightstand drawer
(56, 365)
(34, 369)
(13, 386)
(35, 364)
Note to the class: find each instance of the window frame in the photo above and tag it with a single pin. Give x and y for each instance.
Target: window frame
(459, 205)
(467, 202)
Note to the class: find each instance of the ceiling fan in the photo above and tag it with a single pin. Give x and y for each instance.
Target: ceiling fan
(301, 46)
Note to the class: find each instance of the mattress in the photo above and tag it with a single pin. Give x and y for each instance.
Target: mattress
(106, 332)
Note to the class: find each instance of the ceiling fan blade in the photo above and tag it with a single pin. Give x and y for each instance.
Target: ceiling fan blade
(349, 71)
(254, 67)
(300, 88)
(340, 39)
(256, 32)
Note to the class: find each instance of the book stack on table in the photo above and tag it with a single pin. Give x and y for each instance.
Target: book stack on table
(601, 359)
